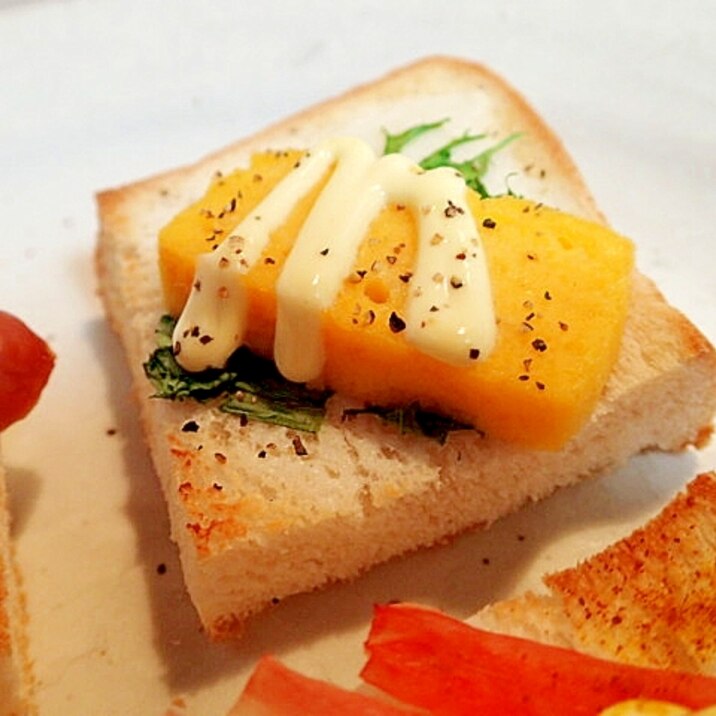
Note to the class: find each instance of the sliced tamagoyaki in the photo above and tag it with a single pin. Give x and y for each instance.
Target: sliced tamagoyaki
(560, 287)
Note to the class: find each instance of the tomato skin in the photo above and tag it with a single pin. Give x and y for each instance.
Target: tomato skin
(427, 659)
(26, 362)
(277, 690)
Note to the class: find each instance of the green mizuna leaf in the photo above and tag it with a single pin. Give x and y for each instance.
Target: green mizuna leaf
(304, 417)
(413, 419)
(473, 169)
(252, 386)
(395, 143)
(248, 385)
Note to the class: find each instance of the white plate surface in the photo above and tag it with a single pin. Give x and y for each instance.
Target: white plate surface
(98, 93)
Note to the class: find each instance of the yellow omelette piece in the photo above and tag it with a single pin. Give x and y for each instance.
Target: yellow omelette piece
(560, 285)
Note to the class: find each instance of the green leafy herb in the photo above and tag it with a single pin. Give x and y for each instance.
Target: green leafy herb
(395, 143)
(413, 419)
(299, 417)
(252, 386)
(248, 385)
(473, 169)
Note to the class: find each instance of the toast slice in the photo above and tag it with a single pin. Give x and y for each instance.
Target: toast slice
(16, 677)
(260, 512)
(647, 600)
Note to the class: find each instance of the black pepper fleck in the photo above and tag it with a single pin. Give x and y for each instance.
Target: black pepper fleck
(190, 426)
(452, 210)
(396, 323)
(489, 223)
(539, 345)
(298, 447)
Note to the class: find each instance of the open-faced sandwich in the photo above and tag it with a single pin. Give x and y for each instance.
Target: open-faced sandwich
(390, 318)
(25, 366)
(630, 631)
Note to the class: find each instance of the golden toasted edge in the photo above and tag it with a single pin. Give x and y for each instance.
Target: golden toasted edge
(15, 663)
(650, 598)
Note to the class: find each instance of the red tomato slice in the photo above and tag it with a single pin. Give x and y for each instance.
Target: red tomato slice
(274, 690)
(26, 362)
(430, 660)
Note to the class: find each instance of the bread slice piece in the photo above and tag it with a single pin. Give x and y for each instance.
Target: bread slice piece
(16, 677)
(260, 512)
(648, 600)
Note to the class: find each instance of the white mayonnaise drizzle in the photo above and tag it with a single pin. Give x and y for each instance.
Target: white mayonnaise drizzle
(449, 315)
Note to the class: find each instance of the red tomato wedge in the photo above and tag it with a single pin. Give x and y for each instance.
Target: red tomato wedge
(275, 689)
(427, 659)
(26, 362)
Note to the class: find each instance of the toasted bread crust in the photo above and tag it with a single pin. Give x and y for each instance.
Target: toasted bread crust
(282, 523)
(16, 675)
(649, 599)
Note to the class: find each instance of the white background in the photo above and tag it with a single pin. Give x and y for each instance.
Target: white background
(96, 94)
